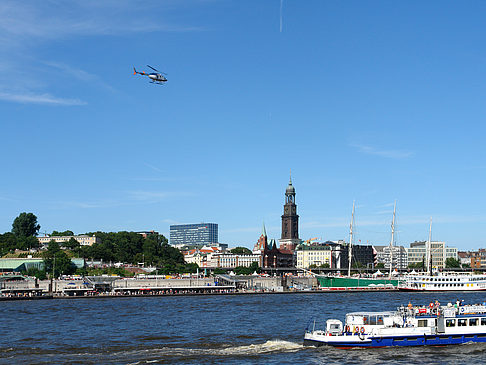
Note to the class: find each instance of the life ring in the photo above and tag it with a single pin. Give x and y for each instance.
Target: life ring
(362, 330)
(355, 329)
(346, 329)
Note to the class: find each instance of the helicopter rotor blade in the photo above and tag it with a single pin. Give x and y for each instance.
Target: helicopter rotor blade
(153, 68)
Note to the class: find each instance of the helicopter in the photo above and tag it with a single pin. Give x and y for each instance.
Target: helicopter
(155, 77)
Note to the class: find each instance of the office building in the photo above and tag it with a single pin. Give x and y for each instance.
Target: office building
(193, 235)
(400, 257)
(417, 253)
(318, 255)
(84, 240)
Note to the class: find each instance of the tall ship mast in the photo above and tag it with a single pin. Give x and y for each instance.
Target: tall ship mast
(392, 239)
(429, 250)
(350, 248)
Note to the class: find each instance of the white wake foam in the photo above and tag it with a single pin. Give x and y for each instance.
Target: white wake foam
(262, 348)
(271, 346)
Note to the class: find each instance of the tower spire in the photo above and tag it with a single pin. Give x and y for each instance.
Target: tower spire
(264, 231)
(290, 180)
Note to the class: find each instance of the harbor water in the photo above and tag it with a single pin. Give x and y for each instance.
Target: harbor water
(213, 329)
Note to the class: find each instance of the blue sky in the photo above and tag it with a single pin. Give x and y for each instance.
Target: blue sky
(371, 101)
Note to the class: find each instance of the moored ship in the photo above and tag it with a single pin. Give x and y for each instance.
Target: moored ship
(444, 282)
(432, 325)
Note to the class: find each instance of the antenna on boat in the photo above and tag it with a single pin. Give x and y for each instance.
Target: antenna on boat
(350, 248)
(391, 241)
(428, 250)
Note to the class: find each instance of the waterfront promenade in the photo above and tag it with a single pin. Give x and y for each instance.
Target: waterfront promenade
(115, 287)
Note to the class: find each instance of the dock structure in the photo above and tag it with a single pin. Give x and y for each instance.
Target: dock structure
(164, 290)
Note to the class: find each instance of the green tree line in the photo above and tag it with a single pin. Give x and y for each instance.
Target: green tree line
(126, 247)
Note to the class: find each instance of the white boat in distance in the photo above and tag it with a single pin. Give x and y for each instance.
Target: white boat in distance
(444, 282)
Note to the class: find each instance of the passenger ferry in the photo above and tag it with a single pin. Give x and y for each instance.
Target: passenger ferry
(432, 325)
(444, 282)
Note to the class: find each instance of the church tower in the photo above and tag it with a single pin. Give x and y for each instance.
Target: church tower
(290, 221)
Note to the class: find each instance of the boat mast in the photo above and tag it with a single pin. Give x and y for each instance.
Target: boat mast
(350, 248)
(392, 239)
(428, 250)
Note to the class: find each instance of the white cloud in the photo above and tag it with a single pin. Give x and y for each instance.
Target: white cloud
(155, 168)
(393, 154)
(54, 20)
(155, 196)
(31, 98)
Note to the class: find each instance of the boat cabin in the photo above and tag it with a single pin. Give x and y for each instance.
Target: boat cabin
(334, 327)
(382, 319)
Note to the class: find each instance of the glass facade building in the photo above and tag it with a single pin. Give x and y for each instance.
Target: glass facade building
(439, 252)
(194, 234)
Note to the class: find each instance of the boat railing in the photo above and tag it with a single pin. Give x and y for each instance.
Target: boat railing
(311, 325)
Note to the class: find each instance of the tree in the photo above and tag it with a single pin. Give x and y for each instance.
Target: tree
(241, 270)
(219, 271)
(8, 243)
(26, 243)
(241, 251)
(132, 248)
(39, 274)
(56, 261)
(191, 268)
(255, 267)
(25, 225)
(65, 233)
(72, 244)
(452, 263)
(380, 265)
(417, 265)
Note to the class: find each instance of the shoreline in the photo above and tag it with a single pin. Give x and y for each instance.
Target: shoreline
(326, 291)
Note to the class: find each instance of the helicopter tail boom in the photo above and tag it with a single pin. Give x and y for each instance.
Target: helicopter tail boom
(137, 72)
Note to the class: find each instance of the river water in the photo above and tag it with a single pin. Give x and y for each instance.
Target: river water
(226, 329)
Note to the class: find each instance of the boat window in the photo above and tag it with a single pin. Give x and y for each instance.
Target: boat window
(450, 322)
(483, 321)
(372, 320)
(473, 321)
(379, 320)
(422, 323)
(365, 319)
(462, 322)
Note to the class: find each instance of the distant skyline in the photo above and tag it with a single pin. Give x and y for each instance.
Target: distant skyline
(367, 101)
